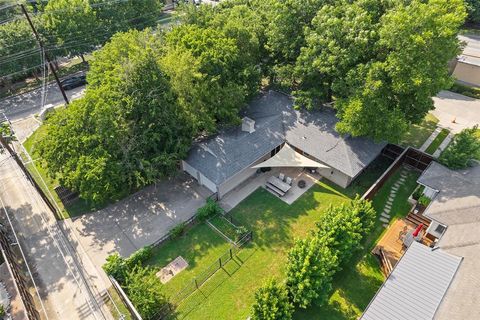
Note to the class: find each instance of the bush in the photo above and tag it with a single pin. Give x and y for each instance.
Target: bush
(145, 291)
(116, 267)
(418, 192)
(240, 232)
(178, 230)
(139, 256)
(311, 265)
(272, 302)
(210, 209)
(424, 201)
(464, 147)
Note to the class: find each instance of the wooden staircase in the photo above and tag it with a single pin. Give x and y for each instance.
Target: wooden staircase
(417, 219)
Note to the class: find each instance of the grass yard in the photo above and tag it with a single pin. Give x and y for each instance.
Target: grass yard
(39, 172)
(354, 287)
(275, 225)
(419, 133)
(437, 141)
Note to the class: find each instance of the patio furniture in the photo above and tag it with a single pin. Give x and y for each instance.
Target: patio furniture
(281, 176)
(288, 180)
(277, 186)
(301, 184)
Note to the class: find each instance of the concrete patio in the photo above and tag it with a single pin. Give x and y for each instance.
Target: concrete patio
(234, 197)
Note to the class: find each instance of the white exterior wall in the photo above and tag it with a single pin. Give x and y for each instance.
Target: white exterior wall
(243, 175)
(429, 192)
(202, 180)
(467, 73)
(337, 177)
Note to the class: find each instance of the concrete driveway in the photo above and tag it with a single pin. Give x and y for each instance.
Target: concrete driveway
(138, 220)
(451, 106)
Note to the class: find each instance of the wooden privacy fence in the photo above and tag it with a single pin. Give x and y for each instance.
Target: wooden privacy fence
(409, 156)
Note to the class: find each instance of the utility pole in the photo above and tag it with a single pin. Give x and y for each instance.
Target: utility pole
(47, 57)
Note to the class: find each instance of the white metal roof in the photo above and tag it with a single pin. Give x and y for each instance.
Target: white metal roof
(416, 286)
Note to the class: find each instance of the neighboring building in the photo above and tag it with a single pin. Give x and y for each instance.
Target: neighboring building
(467, 68)
(223, 162)
(441, 283)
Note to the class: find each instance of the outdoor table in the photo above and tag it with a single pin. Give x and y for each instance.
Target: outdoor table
(279, 183)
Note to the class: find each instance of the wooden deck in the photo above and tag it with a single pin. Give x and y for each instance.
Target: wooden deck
(390, 247)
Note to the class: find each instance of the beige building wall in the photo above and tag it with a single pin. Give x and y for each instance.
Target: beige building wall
(337, 177)
(468, 73)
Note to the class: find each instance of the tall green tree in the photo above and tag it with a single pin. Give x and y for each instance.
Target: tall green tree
(473, 9)
(128, 130)
(272, 302)
(206, 73)
(145, 291)
(464, 147)
(71, 24)
(311, 265)
(416, 41)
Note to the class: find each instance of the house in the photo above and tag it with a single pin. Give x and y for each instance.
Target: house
(441, 282)
(222, 162)
(467, 68)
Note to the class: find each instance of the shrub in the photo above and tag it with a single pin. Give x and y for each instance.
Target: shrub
(311, 265)
(418, 192)
(178, 230)
(145, 291)
(424, 201)
(240, 232)
(211, 208)
(2, 311)
(464, 147)
(272, 302)
(117, 266)
(139, 256)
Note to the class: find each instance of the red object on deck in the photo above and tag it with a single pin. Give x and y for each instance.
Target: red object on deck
(417, 231)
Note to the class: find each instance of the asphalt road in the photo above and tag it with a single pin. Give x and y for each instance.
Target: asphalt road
(61, 280)
(30, 103)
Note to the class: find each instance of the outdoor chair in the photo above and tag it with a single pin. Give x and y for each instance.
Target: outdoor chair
(281, 176)
(288, 180)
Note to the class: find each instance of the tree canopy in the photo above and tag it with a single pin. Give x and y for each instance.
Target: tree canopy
(125, 133)
(272, 302)
(465, 147)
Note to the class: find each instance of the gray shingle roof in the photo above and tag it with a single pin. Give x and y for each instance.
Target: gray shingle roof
(416, 286)
(276, 121)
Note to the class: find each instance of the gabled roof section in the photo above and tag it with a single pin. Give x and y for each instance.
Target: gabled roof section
(416, 286)
(276, 121)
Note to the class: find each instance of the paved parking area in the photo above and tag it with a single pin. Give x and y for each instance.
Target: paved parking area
(138, 220)
(451, 106)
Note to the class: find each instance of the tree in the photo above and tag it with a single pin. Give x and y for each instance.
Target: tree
(206, 73)
(272, 302)
(416, 43)
(71, 24)
(145, 291)
(126, 132)
(311, 265)
(473, 9)
(340, 38)
(18, 50)
(343, 227)
(464, 147)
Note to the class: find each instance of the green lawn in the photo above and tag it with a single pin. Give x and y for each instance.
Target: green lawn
(355, 286)
(275, 225)
(437, 141)
(39, 172)
(418, 134)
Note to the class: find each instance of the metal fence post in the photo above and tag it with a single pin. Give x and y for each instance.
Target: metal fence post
(231, 255)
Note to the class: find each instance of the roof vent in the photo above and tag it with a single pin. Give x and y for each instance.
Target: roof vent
(248, 125)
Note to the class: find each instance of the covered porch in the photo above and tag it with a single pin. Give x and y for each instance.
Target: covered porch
(235, 196)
